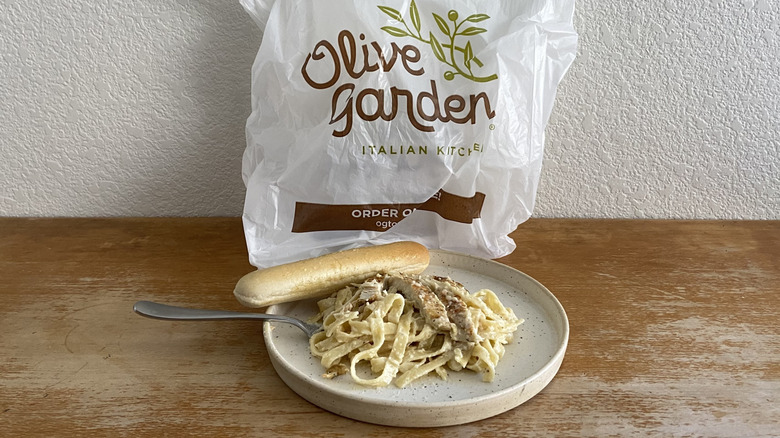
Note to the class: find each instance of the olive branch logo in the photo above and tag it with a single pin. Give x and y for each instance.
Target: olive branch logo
(461, 59)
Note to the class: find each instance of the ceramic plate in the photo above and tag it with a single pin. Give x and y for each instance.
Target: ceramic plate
(529, 364)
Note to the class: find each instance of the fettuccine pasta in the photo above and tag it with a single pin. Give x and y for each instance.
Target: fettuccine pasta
(398, 328)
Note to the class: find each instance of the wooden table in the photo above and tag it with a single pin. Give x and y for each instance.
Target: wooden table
(673, 333)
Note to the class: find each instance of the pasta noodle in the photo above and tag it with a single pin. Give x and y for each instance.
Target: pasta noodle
(398, 328)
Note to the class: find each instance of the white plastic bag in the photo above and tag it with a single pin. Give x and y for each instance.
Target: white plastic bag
(377, 121)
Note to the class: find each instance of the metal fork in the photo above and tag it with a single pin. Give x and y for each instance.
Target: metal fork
(164, 311)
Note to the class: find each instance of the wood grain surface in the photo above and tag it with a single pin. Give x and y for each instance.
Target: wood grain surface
(673, 333)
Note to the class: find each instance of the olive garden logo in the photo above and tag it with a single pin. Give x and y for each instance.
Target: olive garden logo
(351, 55)
(461, 59)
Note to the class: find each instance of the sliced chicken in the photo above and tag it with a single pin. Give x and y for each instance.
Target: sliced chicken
(457, 310)
(431, 307)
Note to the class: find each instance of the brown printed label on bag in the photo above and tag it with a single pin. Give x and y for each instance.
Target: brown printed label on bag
(380, 217)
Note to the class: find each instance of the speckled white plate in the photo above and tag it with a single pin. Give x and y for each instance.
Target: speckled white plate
(530, 362)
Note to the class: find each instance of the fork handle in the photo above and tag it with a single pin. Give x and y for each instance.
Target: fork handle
(164, 311)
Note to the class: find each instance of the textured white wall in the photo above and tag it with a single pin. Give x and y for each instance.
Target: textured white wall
(671, 110)
(123, 108)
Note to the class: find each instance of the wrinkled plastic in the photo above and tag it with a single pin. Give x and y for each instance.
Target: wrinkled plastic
(378, 121)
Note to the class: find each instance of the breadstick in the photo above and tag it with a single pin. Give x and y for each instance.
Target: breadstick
(320, 276)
